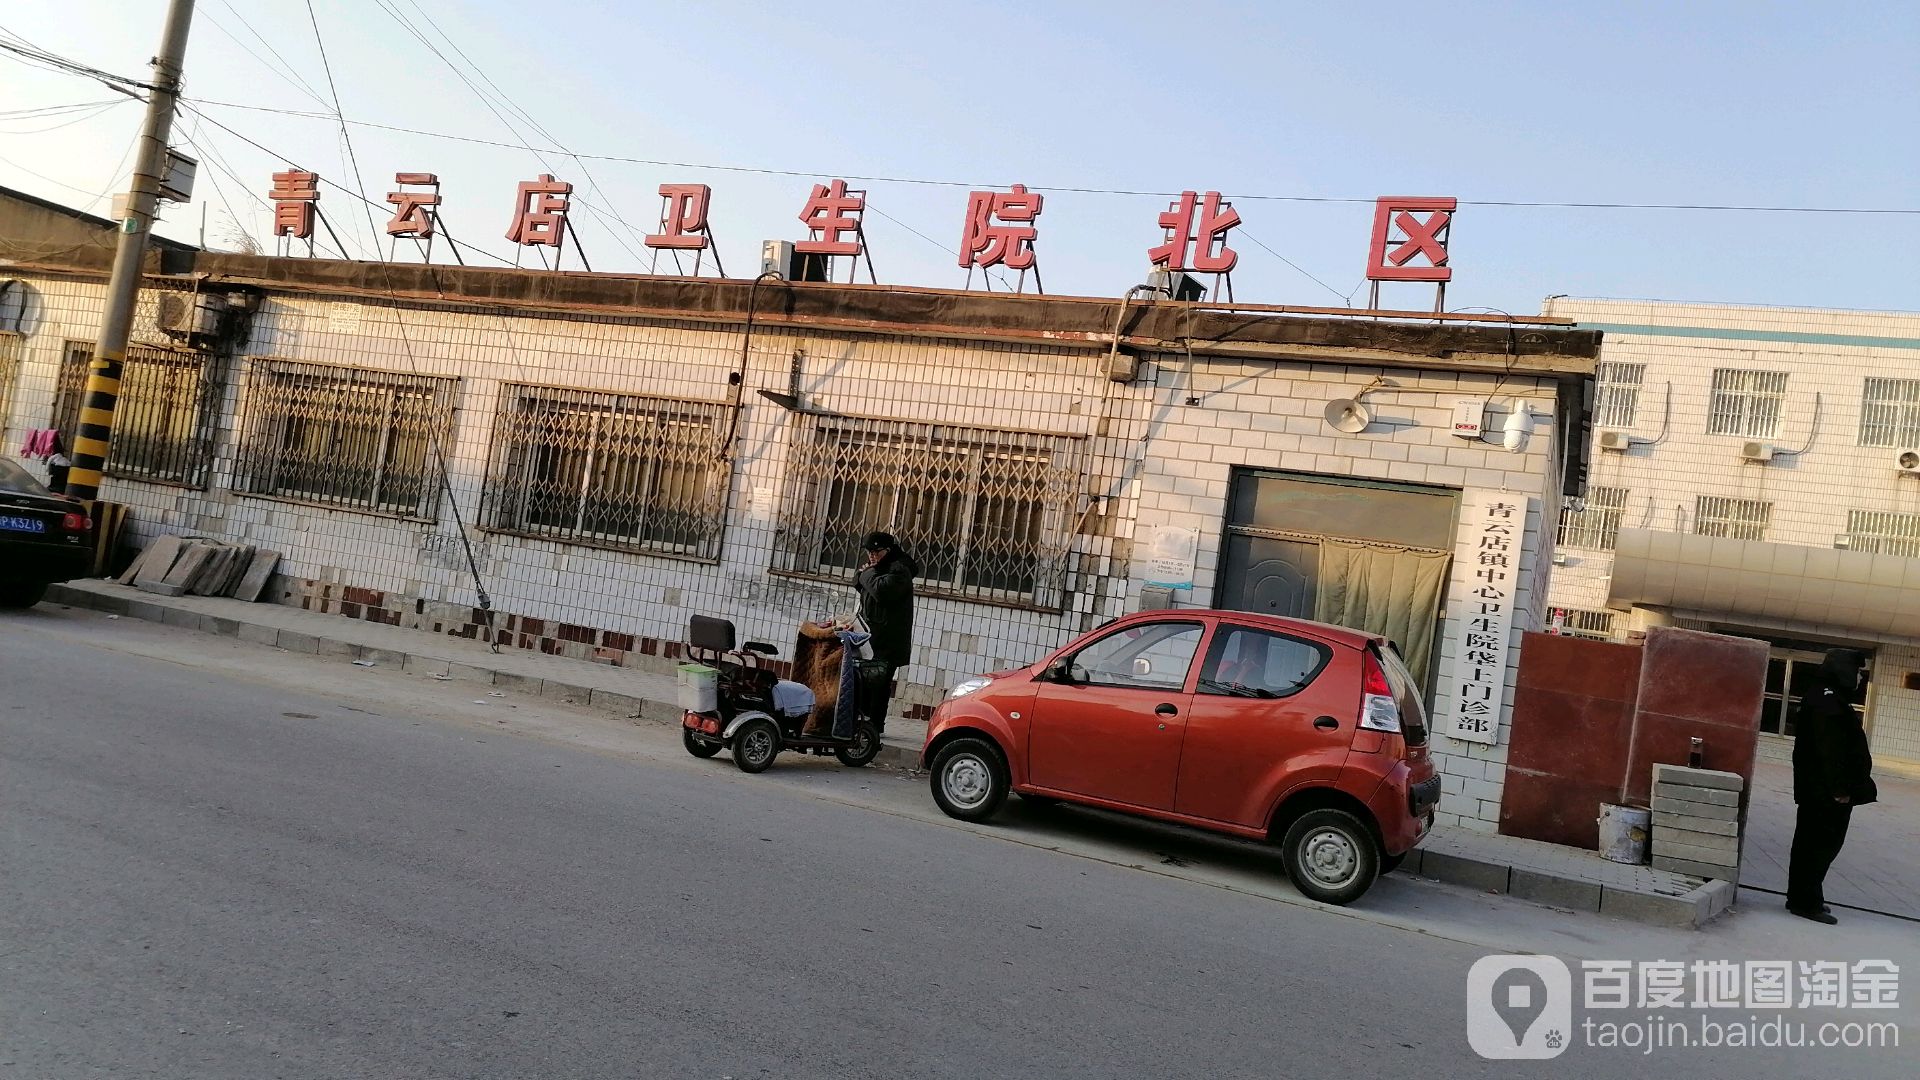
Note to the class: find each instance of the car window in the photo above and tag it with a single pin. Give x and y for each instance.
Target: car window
(15, 480)
(1260, 664)
(1151, 657)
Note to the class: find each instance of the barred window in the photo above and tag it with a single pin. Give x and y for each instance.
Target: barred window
(1884, 533)
(1616, 393)
(1740, 519)
(162, 424)
(1597, 526)
(1746, 403)
(1592, 625)
(1890, 413)
(608, 470)
(345, 437)
(986, 513)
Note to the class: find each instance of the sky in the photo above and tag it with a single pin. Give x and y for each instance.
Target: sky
(1694, 102)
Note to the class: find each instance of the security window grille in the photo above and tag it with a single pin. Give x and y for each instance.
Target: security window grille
(9, 363)
(986, 513)
(162, 422)
(1884, 533)
(1746, 403)
(609, 470)
(345, 437)
(1739, 519)
(1890, 413)
(1616, 398)
(1592, 625)
(1598, 526)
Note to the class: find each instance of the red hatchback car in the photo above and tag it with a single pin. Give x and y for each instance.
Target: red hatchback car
(1308, 735)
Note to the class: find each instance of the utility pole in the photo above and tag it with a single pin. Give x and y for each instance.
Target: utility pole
(123, 289)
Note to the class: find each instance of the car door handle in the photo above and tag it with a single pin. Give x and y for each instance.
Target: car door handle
(1326, 723)
(1166, 709)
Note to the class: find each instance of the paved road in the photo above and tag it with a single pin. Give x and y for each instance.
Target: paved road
(209, 874)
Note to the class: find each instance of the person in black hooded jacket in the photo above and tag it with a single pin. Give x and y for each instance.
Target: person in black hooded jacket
(1832, 774)
(885, 584)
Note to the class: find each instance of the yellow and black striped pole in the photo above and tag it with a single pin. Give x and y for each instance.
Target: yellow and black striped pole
(123, 288)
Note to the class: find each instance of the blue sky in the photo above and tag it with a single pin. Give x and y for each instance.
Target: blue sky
(1679, 102)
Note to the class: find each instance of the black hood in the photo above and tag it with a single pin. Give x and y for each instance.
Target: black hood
(1841, 669)
(900, 559)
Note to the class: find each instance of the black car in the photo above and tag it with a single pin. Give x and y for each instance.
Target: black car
(44, 538)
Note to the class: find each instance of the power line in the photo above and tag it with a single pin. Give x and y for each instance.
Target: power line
(1070, 189)
(289, 75)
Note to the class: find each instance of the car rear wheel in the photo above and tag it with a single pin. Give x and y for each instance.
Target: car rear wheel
(22, 594)
(970, 779)
(755, 745)
(1331, 856)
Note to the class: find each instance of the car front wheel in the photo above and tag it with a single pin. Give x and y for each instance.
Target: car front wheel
(1331, 856)
(970, 779)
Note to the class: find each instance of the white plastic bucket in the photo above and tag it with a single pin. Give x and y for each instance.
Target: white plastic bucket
(699, 688)
(1623, 833)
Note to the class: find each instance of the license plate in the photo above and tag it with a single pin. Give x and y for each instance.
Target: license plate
(16, 523)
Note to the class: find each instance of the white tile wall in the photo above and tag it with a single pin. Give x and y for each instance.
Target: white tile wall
(1153, 460)
(1811, 492)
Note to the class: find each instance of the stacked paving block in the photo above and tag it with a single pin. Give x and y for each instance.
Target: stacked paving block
(1696, 821)
(192, 566)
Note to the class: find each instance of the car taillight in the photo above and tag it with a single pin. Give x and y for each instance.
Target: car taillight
(76, 522)
(1378, 709)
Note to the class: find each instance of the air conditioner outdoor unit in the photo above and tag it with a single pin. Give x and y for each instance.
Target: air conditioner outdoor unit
(1615, 440)
(1756, 451)
(188, 313)
(1908, 462)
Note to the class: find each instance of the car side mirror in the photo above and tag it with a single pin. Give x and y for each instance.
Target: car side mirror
(1142, 667)
(1060, 671)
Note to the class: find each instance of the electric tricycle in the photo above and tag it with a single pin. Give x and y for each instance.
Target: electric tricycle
(733, 700)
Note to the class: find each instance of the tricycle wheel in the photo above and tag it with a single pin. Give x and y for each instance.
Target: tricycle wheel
(755, 745)
(862, 750)
(697, 746)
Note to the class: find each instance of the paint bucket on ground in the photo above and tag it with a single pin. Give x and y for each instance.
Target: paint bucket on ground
(1623, 833)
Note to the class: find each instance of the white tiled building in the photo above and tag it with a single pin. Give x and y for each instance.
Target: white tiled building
(1754, 473)
(622, 453)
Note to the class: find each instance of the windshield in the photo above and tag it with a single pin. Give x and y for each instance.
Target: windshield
(15, 480)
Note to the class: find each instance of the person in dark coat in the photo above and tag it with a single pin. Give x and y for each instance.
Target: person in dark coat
(885, 584)
(1832, 774)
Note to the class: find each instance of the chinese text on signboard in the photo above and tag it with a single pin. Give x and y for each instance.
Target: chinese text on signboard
(1493, 528)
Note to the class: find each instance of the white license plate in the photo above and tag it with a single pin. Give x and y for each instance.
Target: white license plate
(16, 523)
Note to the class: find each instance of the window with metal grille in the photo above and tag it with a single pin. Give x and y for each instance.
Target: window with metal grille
(1884, 533)
(609, 470)
(1597, 526)
(986, 513)
(1890, 413)
(345, 437)
(1740, 519)
(1746, 403)
(1616, 393)
(162, 423)
(1592, 625)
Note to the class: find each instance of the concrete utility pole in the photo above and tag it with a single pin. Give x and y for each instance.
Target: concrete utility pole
(123, 289)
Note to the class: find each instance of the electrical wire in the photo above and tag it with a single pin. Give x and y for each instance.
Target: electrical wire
(288, 75)
(1073, 189)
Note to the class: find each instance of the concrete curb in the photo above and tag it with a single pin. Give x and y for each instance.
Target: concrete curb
(893, 753)
(1690, 910)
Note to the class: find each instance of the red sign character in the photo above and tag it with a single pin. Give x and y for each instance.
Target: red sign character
(829, 213)
(540, 217)
(1418, 239)
(1007, 240)
(294, 193)
(410, 216)
(1212, 256)
(684, 223)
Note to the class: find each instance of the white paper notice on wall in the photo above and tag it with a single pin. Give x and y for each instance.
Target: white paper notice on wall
(1493, 528)
(1172, 551)
(343, 317)
(760, 503)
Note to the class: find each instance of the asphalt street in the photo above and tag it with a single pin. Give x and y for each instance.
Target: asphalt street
(219, 860)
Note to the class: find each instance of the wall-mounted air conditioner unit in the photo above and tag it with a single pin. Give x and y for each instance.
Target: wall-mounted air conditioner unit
(1756, 451)
(1908, 462)
(1615, 440)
